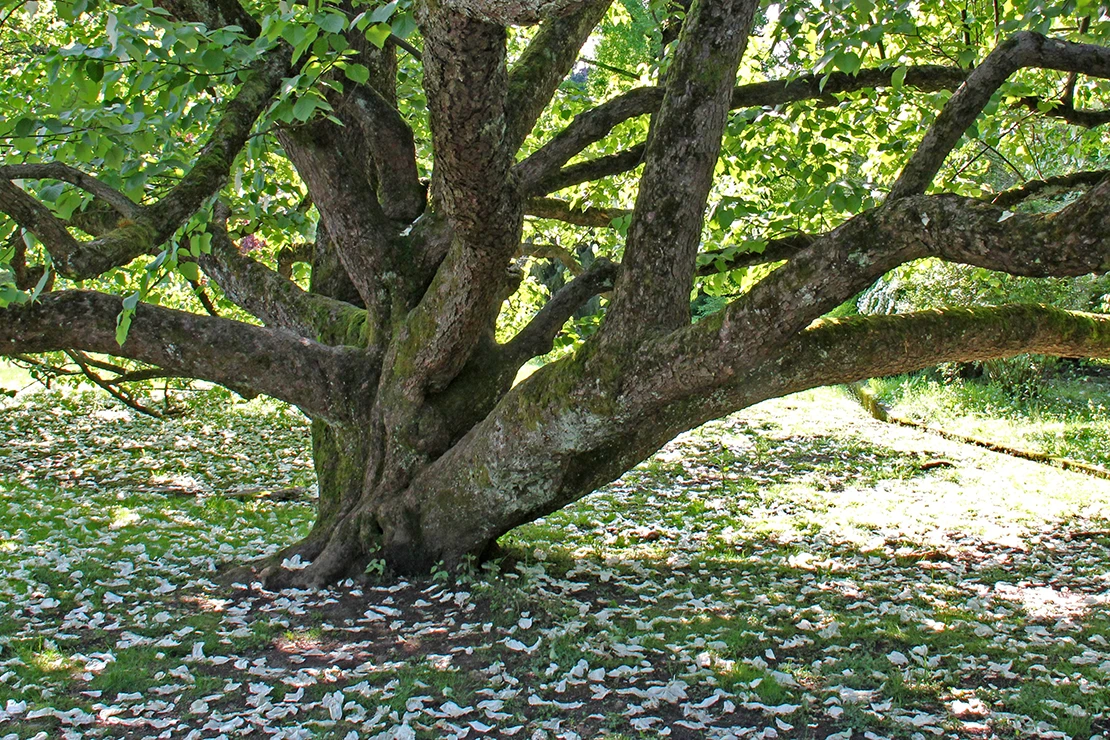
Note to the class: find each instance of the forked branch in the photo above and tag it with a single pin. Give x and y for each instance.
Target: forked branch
(1025, 49)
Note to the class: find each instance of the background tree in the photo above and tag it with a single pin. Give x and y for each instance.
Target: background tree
(356, 184)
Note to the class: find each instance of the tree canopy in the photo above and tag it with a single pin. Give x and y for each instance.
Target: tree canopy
(336, 203)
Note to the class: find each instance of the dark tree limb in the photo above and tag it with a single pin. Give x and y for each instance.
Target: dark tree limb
(1041, 188)
(552, 252)
(262, 292)
(347, 200)
(544, 64)
(513, 12)
(322, 381)
(123, 205)
(775, 250)
(561, 210)
(393, 150)
(1024, 49)
(538, 336)
(1067, 112)
(590, 170)
(213, 13)
(596, 123)
(652, 292)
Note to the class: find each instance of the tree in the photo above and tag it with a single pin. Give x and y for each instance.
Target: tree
(150, 142)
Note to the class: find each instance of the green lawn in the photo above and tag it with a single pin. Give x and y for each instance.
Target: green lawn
(797, 570)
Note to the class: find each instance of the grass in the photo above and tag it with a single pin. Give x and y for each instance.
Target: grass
(797, 568)
(1064, 414)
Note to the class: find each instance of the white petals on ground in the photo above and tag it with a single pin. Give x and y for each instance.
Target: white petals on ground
(754, 580)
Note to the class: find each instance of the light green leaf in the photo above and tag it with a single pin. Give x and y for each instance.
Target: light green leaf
(377, 34)
(357, 73)
(189, 270)
(898, 79)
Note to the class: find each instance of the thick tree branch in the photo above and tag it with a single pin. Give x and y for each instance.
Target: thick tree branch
(653, 288)
(595, 124)
(276, 300)
(1025, 49)
(123, 205)
(393, 150)
(320, 380)
(548, 59)
(538, 337)
(466, 82)
(1074, 241)
(513, 12)
(856, 348)
(345, 196)
(1052, 185)
(561, 210)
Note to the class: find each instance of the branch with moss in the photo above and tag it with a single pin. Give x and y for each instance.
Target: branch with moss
(320, 380)
(1050, 186)
(276, 300)
(561, 210)
(544, 64)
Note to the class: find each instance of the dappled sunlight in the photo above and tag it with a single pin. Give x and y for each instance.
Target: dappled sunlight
(795, 572)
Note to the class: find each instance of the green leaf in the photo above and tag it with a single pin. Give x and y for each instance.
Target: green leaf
(213, 60)
(94, 70)
(304, 108)
(41, 283)
(357, 73)
(24, 126)
(189, 270)
(898, 79)
(384, 13)
(123, 325)
(847, 62)
(331, 22)
(378, 34)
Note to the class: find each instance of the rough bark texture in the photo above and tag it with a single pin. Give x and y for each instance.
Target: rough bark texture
(425, 451)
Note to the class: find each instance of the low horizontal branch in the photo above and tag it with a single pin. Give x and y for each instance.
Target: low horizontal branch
(561, 210)
(1040, 188)
(322, 381)
(1066, 112)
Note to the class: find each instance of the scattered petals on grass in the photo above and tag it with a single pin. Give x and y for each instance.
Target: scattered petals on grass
(797, 570)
